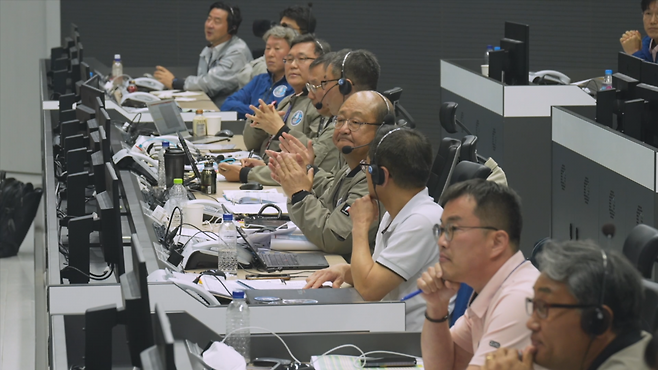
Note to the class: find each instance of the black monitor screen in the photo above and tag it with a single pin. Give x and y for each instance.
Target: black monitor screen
(110, 232)
(112, 183)
(629, 65)
(649, 73)
(625, 85)
(137, 315)
(650, 115)
(88, 93)
(85, 71)
(517, 43)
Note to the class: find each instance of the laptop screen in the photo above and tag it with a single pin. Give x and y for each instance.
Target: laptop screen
(166, 116)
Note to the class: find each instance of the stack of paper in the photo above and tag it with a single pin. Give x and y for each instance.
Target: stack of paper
(341, 362)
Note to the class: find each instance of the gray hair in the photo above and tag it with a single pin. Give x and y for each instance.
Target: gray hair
(579, 265)
(281, 32)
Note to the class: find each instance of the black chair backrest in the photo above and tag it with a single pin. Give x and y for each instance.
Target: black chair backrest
(641, 248)
(539, 246)
(466, 170)
(444, 163)
(468, 151)
(649, 312)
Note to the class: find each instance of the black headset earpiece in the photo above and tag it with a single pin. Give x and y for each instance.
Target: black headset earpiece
(231, 21)
(377, 173)
(344, 85)
(596, 320)
(389, 118)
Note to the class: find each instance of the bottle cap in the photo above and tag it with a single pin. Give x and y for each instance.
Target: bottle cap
(117, 56)
(497, 48)
(489, 47)
(608, 71)
(208, 165)
(178, 181)
(238, 294)
(165, 144)
(227, 216)
(199, 111)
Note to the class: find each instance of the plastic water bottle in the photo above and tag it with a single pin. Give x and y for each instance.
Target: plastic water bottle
(237, 317)
(227, 255)
(607, 80)
(117, 67)
(199, 124)
(486, 54)
(162, 174)
(177, 198)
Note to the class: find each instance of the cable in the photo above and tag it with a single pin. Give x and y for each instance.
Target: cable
(267, 330)
(93, 276)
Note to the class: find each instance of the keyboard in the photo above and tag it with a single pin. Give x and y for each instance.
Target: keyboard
(279, 259)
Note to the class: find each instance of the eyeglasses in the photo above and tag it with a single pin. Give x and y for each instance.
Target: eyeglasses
(450, 230)
(324, 83)
(313, 88)
(364, 165)
(352, 124)
(298, 59)
(541, 307)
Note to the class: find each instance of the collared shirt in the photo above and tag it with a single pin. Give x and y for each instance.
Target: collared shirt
(406, 246)
(653, 46)
(497, 316)
(626, 351)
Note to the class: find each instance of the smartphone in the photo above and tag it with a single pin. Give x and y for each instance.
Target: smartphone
(268, 276)
(398, 361)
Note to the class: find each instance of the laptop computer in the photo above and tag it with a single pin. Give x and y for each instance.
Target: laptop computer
(272, 260)
(167, 118)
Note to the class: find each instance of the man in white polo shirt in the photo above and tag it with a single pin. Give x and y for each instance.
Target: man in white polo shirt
(397, 168)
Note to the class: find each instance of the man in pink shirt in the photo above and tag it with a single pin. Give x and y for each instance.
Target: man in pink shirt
(478, 241)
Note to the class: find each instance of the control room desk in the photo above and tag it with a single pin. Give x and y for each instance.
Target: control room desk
(53, 297)
(513, 126)
(599, 176)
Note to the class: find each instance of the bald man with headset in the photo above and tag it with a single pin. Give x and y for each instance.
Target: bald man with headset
(320, 205)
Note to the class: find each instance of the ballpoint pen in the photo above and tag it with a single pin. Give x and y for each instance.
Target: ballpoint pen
(411, 295)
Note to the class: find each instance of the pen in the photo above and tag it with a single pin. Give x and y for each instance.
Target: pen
(245, 285)
(411, 295)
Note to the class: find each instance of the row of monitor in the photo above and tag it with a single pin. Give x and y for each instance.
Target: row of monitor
(67, 67)
(631, 106)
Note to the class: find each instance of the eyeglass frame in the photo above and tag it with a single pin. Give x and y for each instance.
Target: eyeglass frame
(364, 165)
(299, 60)
(437, 230)
(353, 122)
(530, 307)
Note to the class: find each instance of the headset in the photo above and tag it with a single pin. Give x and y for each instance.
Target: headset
(377, 173)
(344, 85)
(596, 320)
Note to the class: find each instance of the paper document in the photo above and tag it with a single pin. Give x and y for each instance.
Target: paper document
(185, 99)
(187, 93)
(341, 362)
(255, 196)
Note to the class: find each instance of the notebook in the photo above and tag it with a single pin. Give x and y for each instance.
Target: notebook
(167, 118)
(283, 260)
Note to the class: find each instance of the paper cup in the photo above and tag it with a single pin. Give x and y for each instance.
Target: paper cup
(193, 214)
(214, 123)
(485, 70)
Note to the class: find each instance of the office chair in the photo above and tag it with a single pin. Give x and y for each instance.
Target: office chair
(641, 248)
(466, 170)
(649, 313)
(539, 246)
(444, 163)
(468, 151)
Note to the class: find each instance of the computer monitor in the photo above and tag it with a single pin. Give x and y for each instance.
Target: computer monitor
(629, 65)
(649, 94)
(88, 92)
(625, 86)
(81, 53)
(85, 71)
(161, 355)
(511, 64)
(79, 228)
(112, 184)
(106, 147)
(649, 73)
(84, 112)
(111, 239)
(98, 167)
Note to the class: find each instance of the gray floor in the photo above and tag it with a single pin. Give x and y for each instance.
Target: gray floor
(17, 314)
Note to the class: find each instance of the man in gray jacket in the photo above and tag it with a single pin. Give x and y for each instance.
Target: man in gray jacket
(219, 62)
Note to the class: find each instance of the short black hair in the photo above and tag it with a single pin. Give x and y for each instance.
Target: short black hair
(646, 3)
(495, 205)
(321, 46)
(234, 17)
(324, 59)
(302, 15)
(361, 67)
(406, 153)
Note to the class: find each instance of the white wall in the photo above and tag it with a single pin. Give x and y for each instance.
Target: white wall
(28, 29)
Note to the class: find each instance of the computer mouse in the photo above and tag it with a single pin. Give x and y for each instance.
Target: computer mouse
(251, 186)
(225, 133)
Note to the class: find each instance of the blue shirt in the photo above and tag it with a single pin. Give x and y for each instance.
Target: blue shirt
(260, 87)
(645, 52)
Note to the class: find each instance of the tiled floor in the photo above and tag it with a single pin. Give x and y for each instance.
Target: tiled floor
(17, 314)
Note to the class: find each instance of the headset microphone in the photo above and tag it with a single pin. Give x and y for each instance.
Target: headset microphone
(319, 105)
(349, 149)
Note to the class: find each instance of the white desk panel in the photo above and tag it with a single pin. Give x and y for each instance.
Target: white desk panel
(536, 101)
(472, 86)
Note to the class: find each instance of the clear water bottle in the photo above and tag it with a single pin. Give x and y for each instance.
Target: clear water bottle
(237, 317)
(162, 173)
(607, 80)
(486, 54)
(227, 255)
(177, 198)
(117, 67)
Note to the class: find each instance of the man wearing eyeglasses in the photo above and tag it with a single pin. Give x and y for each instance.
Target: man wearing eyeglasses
(320, 205)
(296, 113)
(585, 313)
(479, 238)
(397, 169)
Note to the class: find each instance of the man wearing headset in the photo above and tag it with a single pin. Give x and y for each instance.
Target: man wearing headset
(479, 237)
(397, 169)
(585, 313)
(220, 61)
